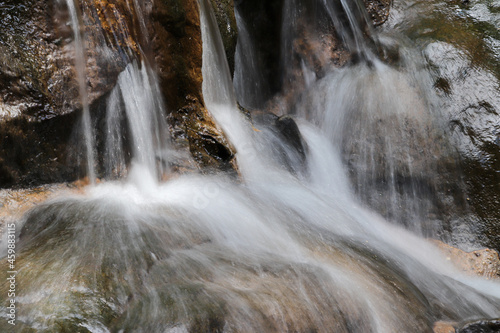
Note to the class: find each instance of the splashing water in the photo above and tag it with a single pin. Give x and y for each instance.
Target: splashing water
(276, 252)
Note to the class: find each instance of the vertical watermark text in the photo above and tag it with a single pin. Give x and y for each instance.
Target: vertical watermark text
(11, 273)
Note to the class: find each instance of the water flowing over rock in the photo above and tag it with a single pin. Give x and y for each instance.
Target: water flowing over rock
(460, 42)
(326, 165)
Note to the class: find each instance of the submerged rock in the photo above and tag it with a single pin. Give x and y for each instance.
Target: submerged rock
(283, 136)
(75, 271)
(378, 10)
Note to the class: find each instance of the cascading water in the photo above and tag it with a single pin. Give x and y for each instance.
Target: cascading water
(277, 251)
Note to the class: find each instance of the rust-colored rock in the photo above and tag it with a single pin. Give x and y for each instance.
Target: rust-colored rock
(485, 262)
(444, 327)
(14, 203)
(38, 89)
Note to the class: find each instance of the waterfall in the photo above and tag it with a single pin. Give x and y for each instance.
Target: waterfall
(277, 250)
(382, 118)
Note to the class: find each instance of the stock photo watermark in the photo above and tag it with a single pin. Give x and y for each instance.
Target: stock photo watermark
(11, 273)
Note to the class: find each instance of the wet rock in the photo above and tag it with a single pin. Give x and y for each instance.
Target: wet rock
(378, 10)
(207, 144)
(290, 131)
(38, 56)
(224, 14)
(470, 98)
(33, 153)
(284, 137)
(35, 66)
(180, 276)
(485, 262)
(38, 81)
(14, 203)
(482, 326)
(314, 47)
(398, 156)
(174, 26)
(39, 97)
(263, 21)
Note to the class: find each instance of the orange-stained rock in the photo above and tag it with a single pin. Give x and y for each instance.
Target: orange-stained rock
(444, 327)
(14, 203)
(485, 262)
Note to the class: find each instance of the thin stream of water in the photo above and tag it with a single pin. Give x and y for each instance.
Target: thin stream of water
(80, 65)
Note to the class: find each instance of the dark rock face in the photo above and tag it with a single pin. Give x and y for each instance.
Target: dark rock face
(224, 13)
(36, 152)
(289, 37)
(35, 65)
(471, 100)
(39, 92)
(263, 23)
(483, 326)
(283, 136)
